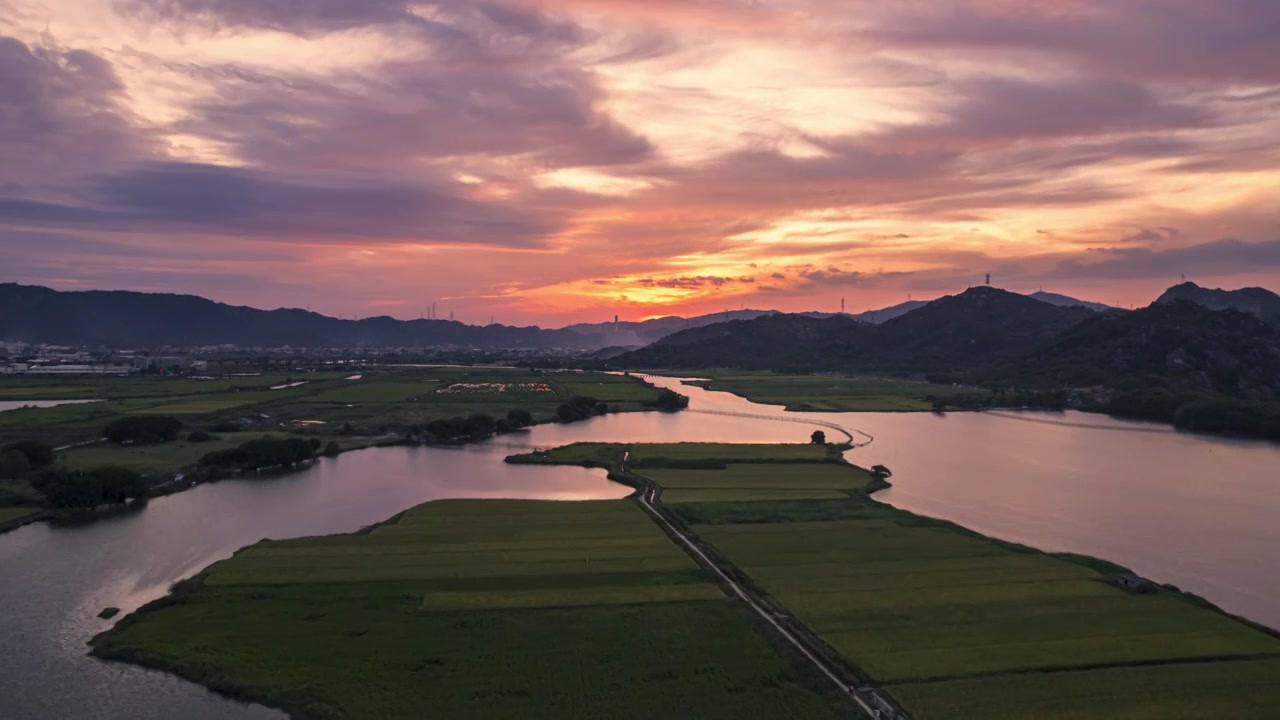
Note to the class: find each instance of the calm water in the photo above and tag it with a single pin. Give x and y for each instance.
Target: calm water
(1196, 512)
(19, 404)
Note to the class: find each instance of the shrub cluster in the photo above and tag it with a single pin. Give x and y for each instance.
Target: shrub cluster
(580, 408)
(143, 429)
(669, 401)
(20, 458)
(263, 453)
(90, 488)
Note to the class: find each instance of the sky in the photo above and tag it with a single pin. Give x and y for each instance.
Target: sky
(556, 161)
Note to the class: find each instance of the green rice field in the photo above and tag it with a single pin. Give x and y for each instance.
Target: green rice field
(830, 393)
(956, 626)
(473, 609)
(14, 513)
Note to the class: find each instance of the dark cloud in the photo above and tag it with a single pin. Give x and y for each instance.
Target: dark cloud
(409, 112)
(477, 32)
(61, 111)
(1007, 110)
(1221, 257)
(1189, 40)
(239, 201)
(681, 283)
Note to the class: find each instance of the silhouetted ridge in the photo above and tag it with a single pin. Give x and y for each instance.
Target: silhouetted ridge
(1253, 300)
(130, 319)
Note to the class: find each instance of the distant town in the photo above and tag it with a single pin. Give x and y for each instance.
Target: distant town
(23, 359)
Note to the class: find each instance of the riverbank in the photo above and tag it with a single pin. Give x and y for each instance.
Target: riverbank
(14, 518)
(938, 616)
(953, 624)
(479, 609)
(448, 406)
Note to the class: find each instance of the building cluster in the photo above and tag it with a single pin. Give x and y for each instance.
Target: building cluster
(53, 360)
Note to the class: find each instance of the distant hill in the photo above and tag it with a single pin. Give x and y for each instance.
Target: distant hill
(644, 332)
(1177, 346)
(1256, 301)
(1065, 301)
(976, 327)
(876, 317)
(130, 319)
(770, 342)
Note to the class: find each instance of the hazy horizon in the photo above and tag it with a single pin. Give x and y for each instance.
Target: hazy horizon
(553, 163)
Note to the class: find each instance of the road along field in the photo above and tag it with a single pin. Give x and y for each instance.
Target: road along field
(472, 609)
(957, 626)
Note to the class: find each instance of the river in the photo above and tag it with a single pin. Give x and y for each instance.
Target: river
(6, 405)
(1198, 512)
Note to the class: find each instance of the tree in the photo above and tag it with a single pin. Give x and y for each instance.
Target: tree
(332, 449)
(579, 408)
(38, 454)
(480, 425)
(88, 489)
(143, 429)
(13, 464)
(115, 485)
(262, 453)
(315, 444)
(818, 438)
(520, 418)
(669, 401)
(198, 436)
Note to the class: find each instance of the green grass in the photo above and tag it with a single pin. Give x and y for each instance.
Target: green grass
(913, 603)
(743, 452)
(382, 403)
(197, 406)
(601, 455)
(720, 495)
(1243, 690)
(611, 391)
(756, 476)
(162, 458)
(831, 393)
(957, 626)
(478, 609)
(7, 514)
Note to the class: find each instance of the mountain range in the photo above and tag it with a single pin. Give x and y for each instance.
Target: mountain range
(130, 319)
(1256, 301)
(38, 315)
(1178, 361)
(974, 328)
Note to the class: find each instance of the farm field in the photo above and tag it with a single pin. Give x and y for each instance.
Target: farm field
(329, 406)
(758, 476)
(161, 458)
(1241, 690)
(830, 393)
(724, 452)
(7, 513)
(912, 603)
(478, 609)
(957, 626)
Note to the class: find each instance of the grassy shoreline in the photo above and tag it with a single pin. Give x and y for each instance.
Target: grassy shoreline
(486, 608)
(383, 408)
(931, 694)
(728, 529)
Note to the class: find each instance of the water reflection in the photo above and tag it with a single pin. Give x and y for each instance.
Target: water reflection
(1194, 511)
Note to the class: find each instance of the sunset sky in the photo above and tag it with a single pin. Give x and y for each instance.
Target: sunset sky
(553, 161)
